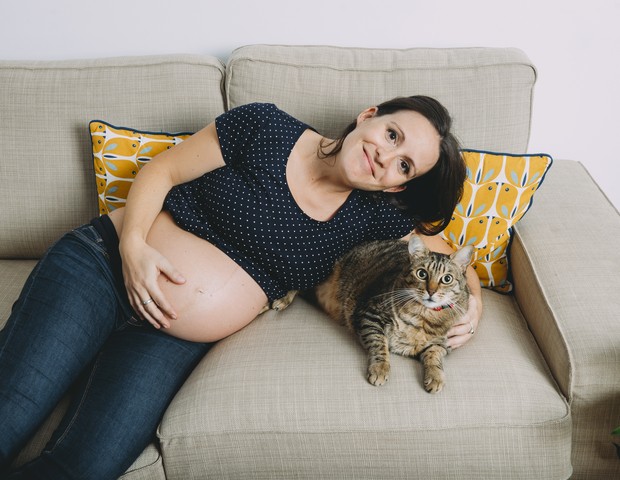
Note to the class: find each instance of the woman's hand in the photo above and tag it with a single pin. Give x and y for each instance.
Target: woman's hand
(142, 266)
(464, 330)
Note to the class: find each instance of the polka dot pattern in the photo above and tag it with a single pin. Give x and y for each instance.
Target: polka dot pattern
(246, 209)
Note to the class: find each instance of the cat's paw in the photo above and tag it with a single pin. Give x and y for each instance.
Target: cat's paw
(378, 373)
(434, 380)
(282, 303)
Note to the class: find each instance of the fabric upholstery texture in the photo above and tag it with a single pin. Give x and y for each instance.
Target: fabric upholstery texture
(487, 91)
(119, 154)
(268, 404)
(60, 98)
(564, 272)
(498, 191)
(287, 397)
(14, 274)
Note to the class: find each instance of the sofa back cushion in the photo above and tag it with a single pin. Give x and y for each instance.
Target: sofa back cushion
(46, 176)
(487, 90)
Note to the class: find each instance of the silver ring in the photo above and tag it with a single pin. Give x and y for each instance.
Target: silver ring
(471, 328)
(146, 302)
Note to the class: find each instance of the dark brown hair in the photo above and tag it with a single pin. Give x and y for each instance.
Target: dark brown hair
(430, 198)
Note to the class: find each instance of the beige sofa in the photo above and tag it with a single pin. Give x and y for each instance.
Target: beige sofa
(535, 394)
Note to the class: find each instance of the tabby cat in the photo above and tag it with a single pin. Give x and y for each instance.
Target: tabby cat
(398, 297)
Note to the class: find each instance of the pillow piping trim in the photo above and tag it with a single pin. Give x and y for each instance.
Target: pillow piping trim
(511, 230)
(146, 132)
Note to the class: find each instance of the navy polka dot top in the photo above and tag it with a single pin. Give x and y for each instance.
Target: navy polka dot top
(246, 208)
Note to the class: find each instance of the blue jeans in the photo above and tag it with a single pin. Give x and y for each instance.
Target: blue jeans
(72, 326)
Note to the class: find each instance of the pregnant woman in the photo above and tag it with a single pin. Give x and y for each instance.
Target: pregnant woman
(253, 205)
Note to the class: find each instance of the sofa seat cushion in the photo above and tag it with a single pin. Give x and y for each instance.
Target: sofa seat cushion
(13, 275)
(148, 466)
(287, 398)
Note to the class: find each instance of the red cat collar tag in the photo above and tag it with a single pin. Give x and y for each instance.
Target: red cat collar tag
(443, 307)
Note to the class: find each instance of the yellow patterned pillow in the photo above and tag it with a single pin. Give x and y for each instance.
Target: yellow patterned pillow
(118, 155)
(498, 191)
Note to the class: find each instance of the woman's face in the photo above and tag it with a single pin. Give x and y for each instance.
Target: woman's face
(385, 152)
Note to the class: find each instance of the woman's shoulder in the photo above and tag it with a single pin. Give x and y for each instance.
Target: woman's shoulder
(255, 107)
(255, 115)
(256, 110)
(382, 213)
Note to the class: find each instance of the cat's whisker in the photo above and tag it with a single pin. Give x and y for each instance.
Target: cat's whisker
(397, 298)
(461, 310)
(389, 308)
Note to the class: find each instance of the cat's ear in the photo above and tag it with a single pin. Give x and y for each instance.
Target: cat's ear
(463, 256)
(416, 246)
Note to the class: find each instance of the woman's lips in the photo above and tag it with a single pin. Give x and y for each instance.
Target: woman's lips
(369, 161)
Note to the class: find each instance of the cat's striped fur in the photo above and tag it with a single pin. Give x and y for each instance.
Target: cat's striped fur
(399, 297)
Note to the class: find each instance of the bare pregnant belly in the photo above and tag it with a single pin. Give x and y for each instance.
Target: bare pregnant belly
(218, 297)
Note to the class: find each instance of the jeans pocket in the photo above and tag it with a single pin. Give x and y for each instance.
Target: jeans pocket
(89, 235)
(135, 321)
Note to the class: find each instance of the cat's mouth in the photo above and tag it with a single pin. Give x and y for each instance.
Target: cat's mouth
(434, 305)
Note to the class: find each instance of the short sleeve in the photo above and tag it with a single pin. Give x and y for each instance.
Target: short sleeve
(389, 222)
(237, 129)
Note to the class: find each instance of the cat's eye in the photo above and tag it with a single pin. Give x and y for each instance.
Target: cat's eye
(447, 279)
(421, 274)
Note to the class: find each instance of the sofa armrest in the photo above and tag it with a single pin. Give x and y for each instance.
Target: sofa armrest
(565, 262)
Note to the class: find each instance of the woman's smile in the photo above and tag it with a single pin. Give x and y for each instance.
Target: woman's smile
(369, 161)
(383, 152)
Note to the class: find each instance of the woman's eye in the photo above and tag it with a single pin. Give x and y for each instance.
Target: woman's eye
(422, 274)
(404, 167)
(447, 279)
(392, 135)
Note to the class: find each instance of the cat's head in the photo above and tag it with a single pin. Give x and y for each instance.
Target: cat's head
(436, 279)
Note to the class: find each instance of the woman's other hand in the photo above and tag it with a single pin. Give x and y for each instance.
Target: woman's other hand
(142, 266)
(466, 327)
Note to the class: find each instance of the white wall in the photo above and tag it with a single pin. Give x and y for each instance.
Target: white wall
(575, 46)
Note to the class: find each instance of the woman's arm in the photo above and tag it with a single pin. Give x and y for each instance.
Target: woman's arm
(462, 331)
(142, 264)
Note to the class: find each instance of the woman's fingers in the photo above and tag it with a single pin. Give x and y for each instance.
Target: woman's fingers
(151, 312)
(462, 332)
(167, 269)
(142, 270)
(153, 306)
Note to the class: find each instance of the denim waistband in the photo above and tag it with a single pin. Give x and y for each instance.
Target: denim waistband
(106, 230)
(89, 233)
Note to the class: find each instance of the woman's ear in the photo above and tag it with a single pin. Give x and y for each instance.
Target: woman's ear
(400, 188)
(366, 114)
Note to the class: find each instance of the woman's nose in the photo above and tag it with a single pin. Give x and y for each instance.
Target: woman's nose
(382, 156)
